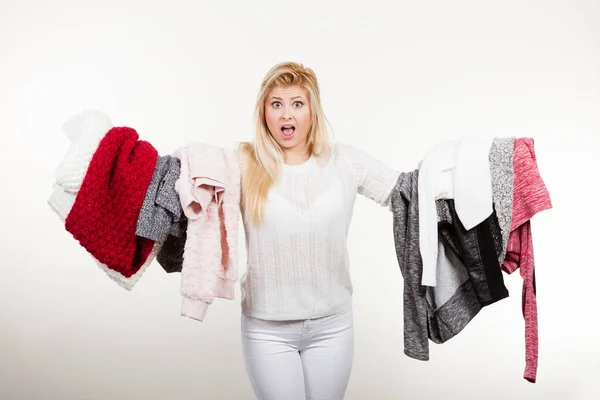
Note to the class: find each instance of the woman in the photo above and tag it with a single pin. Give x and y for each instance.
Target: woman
(298, 192)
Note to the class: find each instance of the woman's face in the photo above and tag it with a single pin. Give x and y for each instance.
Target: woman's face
(288, 116)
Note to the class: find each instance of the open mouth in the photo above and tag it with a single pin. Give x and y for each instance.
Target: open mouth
(288, 131)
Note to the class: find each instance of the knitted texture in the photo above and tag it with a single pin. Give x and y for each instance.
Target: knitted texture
(85, 130)
(105, 213)
(501, 171)
(161, 209)
(297, 258)
(209, 266)
(530, 196)
(61, 203)
(78, 129)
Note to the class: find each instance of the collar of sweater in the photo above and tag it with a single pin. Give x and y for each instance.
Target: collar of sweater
(299, 168)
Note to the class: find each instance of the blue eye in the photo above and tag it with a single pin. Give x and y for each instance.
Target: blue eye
(276, 104)
(298, 102)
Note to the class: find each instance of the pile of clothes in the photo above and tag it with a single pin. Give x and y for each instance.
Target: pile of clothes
(460, 220)
(127, 206)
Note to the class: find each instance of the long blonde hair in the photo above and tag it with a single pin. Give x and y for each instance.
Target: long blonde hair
(264, 157)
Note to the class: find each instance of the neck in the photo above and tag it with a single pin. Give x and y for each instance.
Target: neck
(296, 155)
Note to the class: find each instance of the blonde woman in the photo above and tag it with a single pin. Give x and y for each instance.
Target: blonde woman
(298, 193)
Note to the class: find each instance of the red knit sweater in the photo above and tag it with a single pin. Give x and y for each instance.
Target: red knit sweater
(104, 216)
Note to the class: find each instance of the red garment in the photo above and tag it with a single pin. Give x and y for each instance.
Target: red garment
(104, 216)
(530, 196)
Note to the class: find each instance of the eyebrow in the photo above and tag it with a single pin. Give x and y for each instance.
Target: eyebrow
(279, 98)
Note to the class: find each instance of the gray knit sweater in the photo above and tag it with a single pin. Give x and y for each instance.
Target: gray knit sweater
(161, 210)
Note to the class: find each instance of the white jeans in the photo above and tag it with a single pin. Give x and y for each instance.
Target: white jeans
(299, 360)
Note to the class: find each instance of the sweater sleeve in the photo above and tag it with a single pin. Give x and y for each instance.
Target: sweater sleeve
(530, 196)
(404, 206)
(374, 179)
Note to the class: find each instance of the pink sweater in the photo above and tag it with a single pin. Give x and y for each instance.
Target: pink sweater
(530, 196)
(209, 191)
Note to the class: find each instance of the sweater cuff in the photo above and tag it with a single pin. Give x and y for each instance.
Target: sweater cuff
(530, 371)
(421, 356)
(225, 289)
(193, 308)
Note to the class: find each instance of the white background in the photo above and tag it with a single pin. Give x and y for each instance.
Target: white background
(397, 77)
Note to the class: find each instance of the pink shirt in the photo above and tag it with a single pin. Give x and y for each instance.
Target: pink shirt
(530, 196)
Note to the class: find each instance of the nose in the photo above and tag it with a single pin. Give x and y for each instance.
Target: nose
(286, 113)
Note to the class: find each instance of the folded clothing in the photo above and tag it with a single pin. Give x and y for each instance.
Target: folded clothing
(104, 216)
(209, 190)
(161, 209)
(85, 130)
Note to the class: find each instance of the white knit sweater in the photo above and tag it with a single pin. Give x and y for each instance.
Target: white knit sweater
(297, 259)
